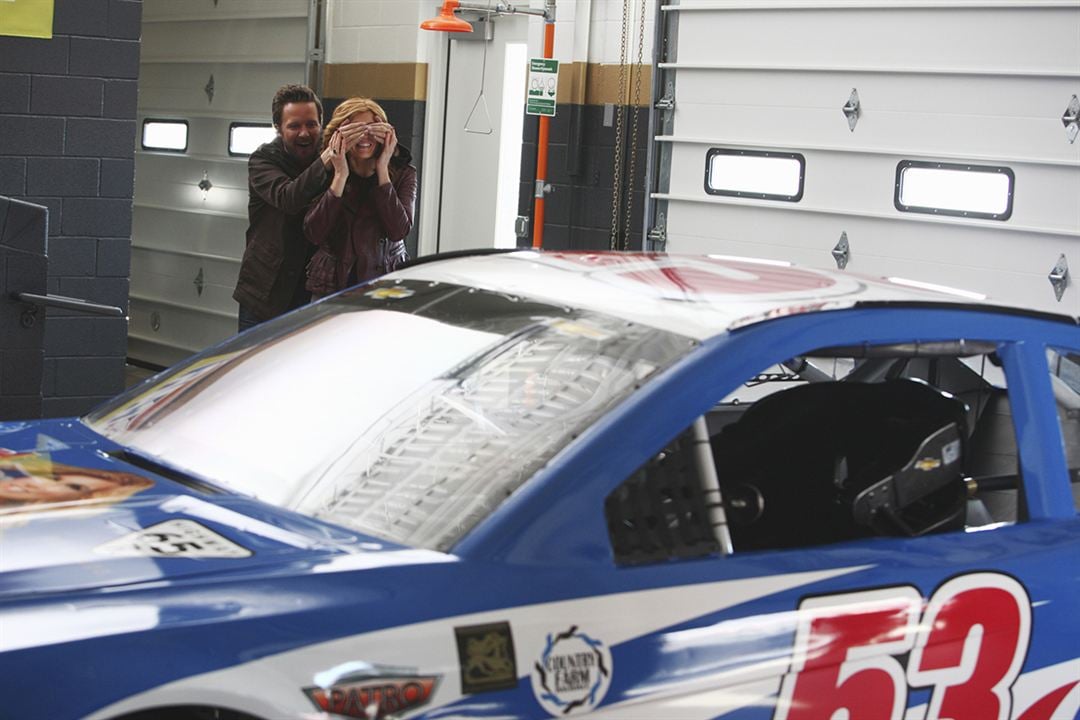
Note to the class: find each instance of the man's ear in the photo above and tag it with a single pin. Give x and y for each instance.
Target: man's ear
(277, 129)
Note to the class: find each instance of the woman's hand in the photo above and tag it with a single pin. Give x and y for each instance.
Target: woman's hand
(340, 164)
(389, 145)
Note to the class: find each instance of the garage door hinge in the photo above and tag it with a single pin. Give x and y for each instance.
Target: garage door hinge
(852, 109)
(668, 101)
(1059, 277)
(658, 238)
(1071, 119)
(315, 55)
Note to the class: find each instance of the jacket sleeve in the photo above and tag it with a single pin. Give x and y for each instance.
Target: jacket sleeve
(395, 202)
(321, 219)
(270, 182)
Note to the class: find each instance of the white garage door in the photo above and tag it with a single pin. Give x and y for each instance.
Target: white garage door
(757, 156)
(211, 64)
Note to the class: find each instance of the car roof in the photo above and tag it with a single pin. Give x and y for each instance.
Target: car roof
(696, 296)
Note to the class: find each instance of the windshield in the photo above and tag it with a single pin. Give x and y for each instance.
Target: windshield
(407, 410)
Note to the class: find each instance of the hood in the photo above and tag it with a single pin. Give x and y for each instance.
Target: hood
(73, 516)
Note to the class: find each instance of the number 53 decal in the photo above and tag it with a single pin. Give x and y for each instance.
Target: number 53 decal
(968, 646)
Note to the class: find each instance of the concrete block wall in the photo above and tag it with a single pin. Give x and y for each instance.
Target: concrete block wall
(67, 109)
(22, 270)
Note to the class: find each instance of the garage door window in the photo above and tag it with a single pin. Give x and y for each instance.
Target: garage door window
(975, 191)
(762, 175)
(244, 138)
(167, 135)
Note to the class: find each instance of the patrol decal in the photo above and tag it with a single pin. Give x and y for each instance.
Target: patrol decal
(573, 674)
(372, 697)
(175, 539)
(486, 657)
(390, 293)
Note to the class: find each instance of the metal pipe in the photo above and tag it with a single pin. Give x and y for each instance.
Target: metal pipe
(710, 484)
(542, 137)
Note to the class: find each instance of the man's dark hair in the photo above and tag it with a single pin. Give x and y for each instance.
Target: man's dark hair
(293, 94)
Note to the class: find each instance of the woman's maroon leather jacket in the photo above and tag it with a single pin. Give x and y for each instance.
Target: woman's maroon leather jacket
(365, 228)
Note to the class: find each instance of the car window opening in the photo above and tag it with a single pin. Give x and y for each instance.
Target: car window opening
(842, 444)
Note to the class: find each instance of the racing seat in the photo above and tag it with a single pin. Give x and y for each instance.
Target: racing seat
(834, 461)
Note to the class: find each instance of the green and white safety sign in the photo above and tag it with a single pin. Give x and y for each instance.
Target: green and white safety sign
(543, 87)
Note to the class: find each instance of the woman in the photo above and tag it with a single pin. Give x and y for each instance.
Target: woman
(359, 224)
(29, 480)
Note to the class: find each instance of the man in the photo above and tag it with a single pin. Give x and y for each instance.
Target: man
(284, 176)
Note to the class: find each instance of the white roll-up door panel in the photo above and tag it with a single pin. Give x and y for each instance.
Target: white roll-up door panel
(965, 84)
(211, 65)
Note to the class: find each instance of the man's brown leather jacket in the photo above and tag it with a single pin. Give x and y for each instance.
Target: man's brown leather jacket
(280, 190)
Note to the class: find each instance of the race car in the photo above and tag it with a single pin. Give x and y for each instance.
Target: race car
(544, 484)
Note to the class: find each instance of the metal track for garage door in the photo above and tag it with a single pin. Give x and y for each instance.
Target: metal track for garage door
(990, 83)
(211, 64)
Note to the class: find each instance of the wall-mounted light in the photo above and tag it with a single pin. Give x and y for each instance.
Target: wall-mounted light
(205, 184)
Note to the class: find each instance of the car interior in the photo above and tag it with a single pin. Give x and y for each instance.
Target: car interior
(838, 445)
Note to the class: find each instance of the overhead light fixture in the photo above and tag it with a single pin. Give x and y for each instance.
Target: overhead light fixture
(446, 21)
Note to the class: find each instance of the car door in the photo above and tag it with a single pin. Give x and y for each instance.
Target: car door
(947, 607)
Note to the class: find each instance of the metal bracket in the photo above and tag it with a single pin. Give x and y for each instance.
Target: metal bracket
(658, 236)
(668, 101)
(1071, 119)
(199, 283)
(521, 226)
(1059, 277)
(541, 188)
(842, 252)
(852, 109)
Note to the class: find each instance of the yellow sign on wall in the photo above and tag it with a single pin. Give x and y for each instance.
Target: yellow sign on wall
(26, 18)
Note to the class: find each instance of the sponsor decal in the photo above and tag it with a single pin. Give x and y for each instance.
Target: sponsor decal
(858, 654)
(927, 464)
(32, 481)
(486, 656)
(579, 328)
(573, 674)
(390, 293)
(373, 696)
(175, 539)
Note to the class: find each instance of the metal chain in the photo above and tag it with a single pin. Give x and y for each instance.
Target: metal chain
(635, 108)
(620, 131)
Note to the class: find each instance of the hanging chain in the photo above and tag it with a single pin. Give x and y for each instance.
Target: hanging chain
(634, 108)
(620, 130)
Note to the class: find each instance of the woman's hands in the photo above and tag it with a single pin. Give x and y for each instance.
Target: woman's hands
(348, 136)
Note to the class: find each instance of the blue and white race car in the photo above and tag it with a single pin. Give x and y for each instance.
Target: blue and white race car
(531, 485)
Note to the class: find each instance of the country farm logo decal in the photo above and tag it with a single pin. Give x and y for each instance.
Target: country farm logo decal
(573, 674)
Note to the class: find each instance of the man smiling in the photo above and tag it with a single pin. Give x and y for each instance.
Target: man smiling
(283, 178)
